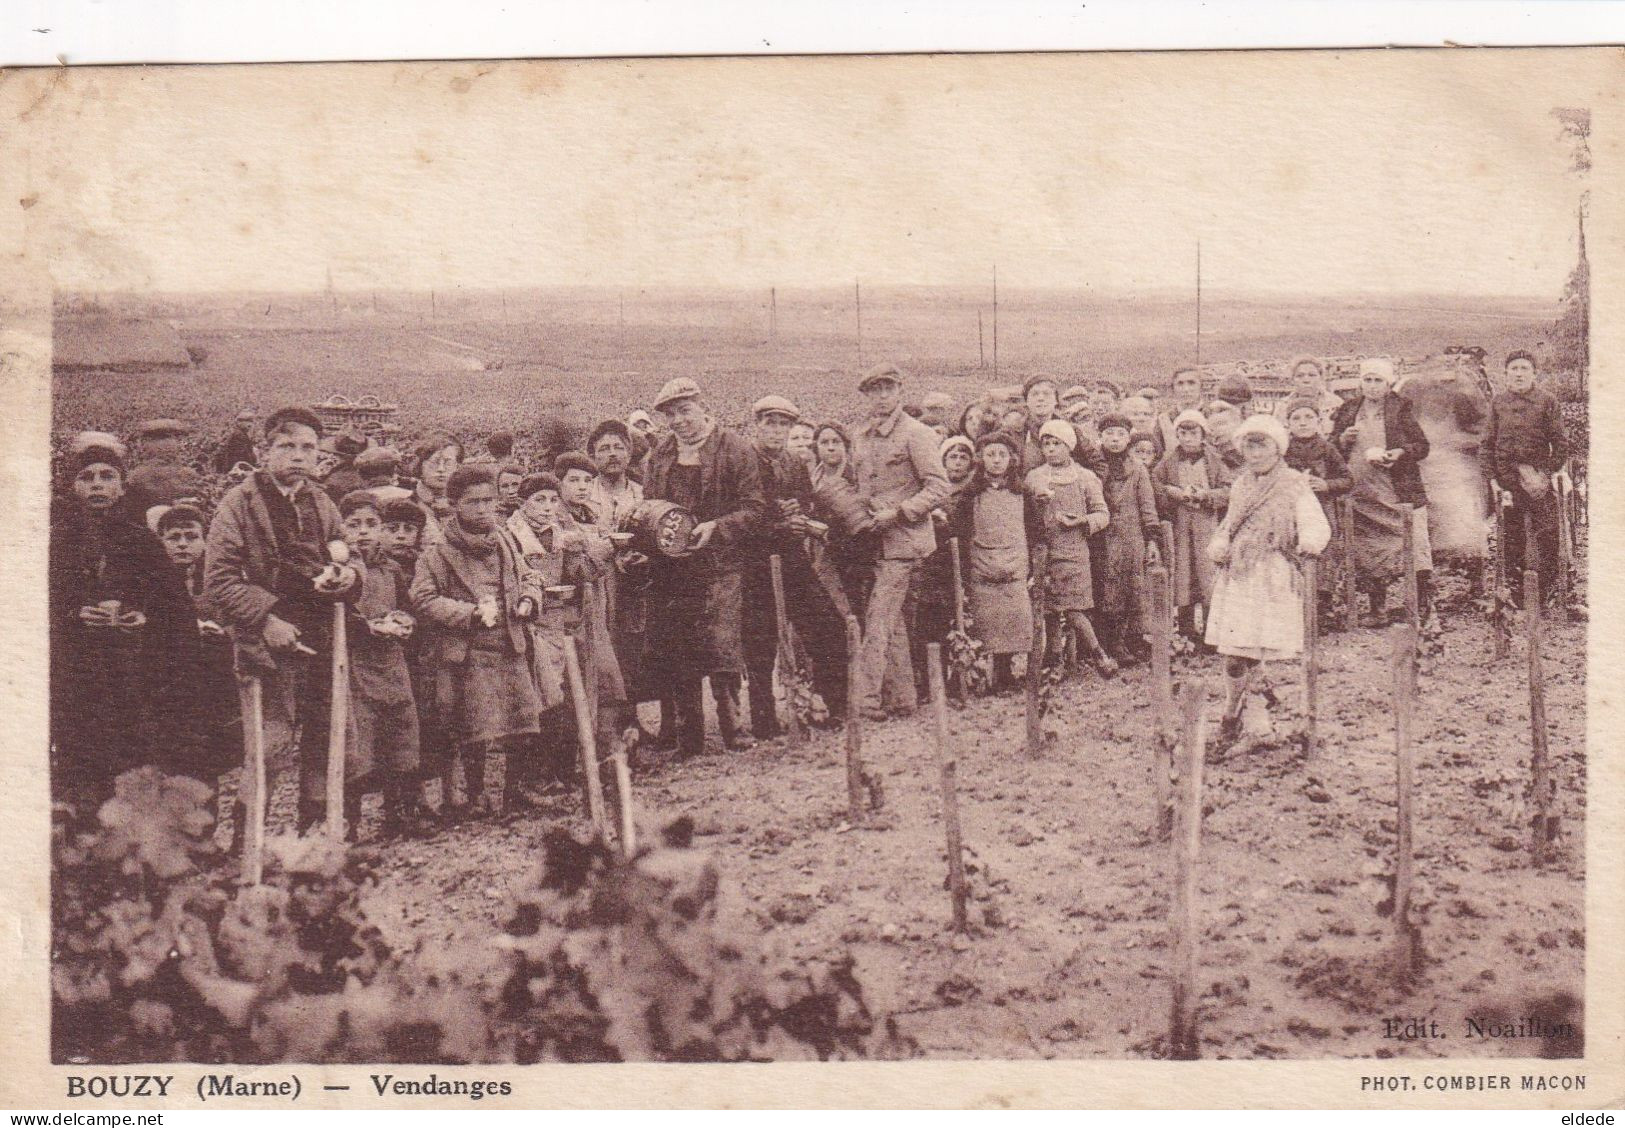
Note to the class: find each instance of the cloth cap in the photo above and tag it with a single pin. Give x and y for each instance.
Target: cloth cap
(775, 405)
(1032, 382)
(101, 439)
(1377, 366)
(1060, 429)
(1114, 419)
(1190, 417)
(958, 441)
(349, 443)
(89, 454)
(675, 391)
(161, 429)
(572, 460)
(377, 458)
(1297, 402)
(1075, 392)
(1266, 425)
(1235, 389)
(1002, 438)
(878, 373)
(246, 415)
(639, 418)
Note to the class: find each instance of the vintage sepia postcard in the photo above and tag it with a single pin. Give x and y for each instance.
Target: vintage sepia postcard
(983, 580)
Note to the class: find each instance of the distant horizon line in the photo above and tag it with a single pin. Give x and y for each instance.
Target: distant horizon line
(610, 290)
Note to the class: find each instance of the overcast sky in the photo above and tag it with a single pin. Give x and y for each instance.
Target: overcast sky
(1308, 173)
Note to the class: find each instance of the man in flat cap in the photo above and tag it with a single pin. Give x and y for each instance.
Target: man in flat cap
(696, 601)
(784, 531)
(161, 478)
(900, 476)
(237, 448)
(936, 412)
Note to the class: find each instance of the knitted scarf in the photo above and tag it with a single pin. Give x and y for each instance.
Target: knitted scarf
(477, 545)
(1117, 465)
(1263, 515)
(688, 454)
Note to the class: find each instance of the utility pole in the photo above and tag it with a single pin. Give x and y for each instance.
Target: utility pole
(981, 353)
(773, 313)
(995, 321)
(857, 296)
(1198, 301)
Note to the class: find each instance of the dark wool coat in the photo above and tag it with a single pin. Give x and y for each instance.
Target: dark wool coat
(1404, 434)
(117, 701)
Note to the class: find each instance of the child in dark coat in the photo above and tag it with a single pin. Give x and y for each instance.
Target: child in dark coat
(1310, 451)
(383, 746)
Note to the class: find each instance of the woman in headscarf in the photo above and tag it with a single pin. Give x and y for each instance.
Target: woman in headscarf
(1308, 383)
(121, 625)
(1384, 445)
(1072, 506)
(1273, 519)
(1193, 487)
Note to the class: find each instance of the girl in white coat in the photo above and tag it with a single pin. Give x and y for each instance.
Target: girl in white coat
(1273, 520)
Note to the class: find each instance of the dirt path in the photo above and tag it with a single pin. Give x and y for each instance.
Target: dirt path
(1071, 951)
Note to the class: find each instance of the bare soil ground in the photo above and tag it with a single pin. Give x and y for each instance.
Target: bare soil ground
(1071, 951)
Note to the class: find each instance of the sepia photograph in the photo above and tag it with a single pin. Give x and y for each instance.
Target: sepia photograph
(914, 558)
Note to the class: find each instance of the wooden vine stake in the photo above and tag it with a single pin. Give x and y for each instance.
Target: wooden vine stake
(946, 764)
(585, 735)
(854, 720)
(338, 724)
(1345, 540)
(251, 788)
(1311, 657)
(1500, 633)
(1162, 704)
(1413, 609)
(959, 584)
(1183, 1042)
(623, 796)
(786, 651)
(1035, 659)
(1406, 948)
(1545, 824)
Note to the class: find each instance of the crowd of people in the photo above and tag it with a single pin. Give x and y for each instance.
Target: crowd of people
(494, 606)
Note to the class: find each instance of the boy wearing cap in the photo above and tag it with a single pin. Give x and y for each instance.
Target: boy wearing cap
(1310, 452)
(213, 736)
(1526, 445)
(1193, 487)
(263, 574)
(696, 601)
(898, 462)
(1384, 446)
(237, 448)
(783, 530)
(161, 478)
